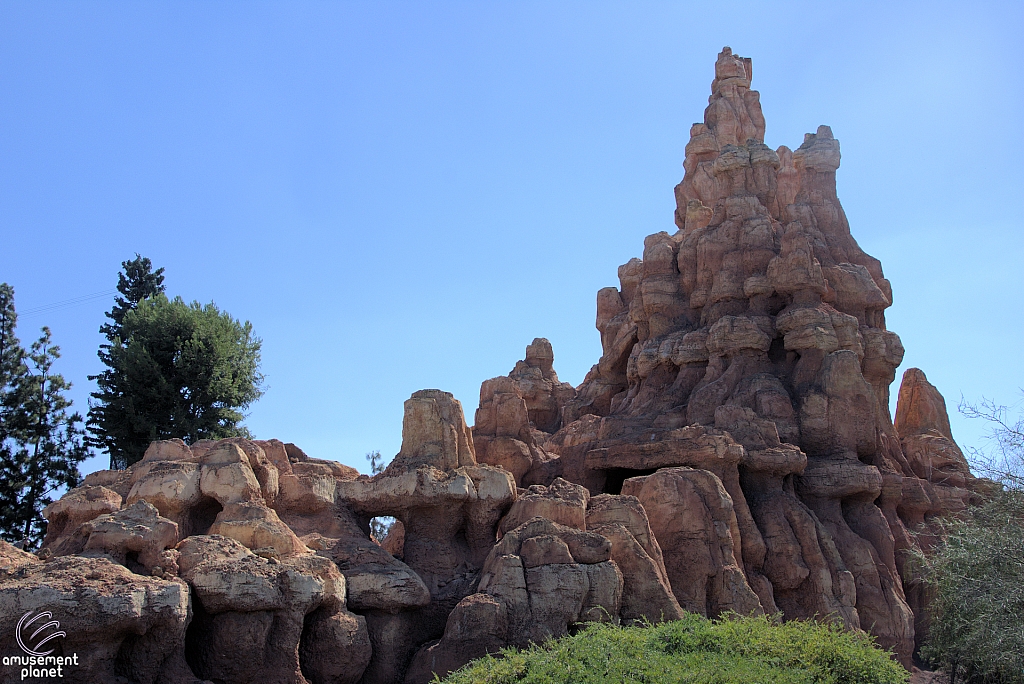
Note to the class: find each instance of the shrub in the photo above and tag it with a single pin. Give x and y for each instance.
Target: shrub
(977, 577)
(695, 650)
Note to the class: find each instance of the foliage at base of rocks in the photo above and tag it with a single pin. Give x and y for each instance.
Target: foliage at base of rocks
(695, 650)
(977, 574)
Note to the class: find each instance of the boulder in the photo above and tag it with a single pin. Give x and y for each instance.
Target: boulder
(293, 615)
(118, 625)
(692, 517)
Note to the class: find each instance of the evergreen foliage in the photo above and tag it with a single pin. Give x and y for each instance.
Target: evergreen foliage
(180, 370)
(695, 650)
(41, 442)
(137, 281)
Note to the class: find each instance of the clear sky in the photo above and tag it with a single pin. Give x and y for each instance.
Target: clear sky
(402, 195)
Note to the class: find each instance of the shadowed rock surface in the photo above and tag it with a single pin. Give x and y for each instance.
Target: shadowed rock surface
(732, 450)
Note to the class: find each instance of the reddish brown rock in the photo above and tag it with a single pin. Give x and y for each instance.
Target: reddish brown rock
(562, 502)
(538, 383)
(731, 450)
(923, 428)
(518, 413)
(692, 516)
(939, 481)
(449, 507)
(541, 578)
(646, 592)
(477, 626)
(762, 318)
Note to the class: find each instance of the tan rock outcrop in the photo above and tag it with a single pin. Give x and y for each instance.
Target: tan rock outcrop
(254, 577)
(78, 506)
(292, 615)
(120, 625)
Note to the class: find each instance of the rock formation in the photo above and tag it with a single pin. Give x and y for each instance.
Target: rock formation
(743, 392)
(732, 450)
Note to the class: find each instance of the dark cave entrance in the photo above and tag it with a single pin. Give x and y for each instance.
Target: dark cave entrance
(131, 561)
(614, 477)
(201, 517)
(196, 636)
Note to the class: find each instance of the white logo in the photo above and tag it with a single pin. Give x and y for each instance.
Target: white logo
(26, 622)
(34, 632)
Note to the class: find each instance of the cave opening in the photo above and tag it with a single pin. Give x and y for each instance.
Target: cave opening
(131, 561)
(197, 638)
(615, 477)
(201, 517)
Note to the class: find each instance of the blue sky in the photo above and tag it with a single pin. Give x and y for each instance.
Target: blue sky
(403, 195)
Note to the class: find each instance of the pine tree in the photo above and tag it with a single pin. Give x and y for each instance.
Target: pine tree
(172, 370)
(136, 282)
(41, 442)
(12, 367)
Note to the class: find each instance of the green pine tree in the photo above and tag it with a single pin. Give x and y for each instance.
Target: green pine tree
(173, 370)
(137, 282)
(41, 442)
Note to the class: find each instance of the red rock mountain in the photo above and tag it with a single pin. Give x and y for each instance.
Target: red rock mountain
(732, 450)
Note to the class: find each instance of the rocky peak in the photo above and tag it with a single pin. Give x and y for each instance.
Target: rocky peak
(920, 408)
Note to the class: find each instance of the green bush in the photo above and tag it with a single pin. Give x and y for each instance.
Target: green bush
(977, 575)
(695, 650)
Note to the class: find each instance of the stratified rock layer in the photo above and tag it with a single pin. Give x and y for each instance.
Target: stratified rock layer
(732, 451)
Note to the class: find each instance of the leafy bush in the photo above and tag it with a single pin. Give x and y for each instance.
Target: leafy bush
(695, 650)
(977, 575)
(976, 570)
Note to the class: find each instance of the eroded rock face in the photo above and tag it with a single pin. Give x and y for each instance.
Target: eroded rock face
(256, 617)
(732, 450)
(518, 413)
(540, 579)
(120, 624)
(943, 482)
(449, 507)
(749, 348)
